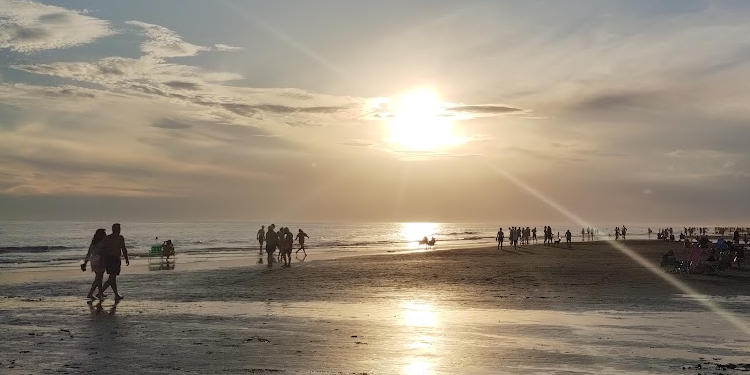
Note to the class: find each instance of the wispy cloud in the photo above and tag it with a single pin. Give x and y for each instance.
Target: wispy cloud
(29, 27)
(226, 48)
(162, 42)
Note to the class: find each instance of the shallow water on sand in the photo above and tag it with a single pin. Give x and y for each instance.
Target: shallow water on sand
(402, 336)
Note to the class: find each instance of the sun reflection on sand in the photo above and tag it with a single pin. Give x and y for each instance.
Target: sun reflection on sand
(418, 366)
(419, 314)
(422, 322)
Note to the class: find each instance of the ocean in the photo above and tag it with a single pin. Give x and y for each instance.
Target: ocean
(45, 243)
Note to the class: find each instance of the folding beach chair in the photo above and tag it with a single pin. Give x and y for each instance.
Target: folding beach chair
(155, 253)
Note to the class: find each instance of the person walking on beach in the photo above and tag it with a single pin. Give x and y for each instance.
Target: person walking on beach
(533, 234)
(549, 235)
(261, 237)
(583, 235)
(500, 238)
(285, 246)
(272, 240)
(617, 233)
(624, 232)
(301, 235)
(97, 265)
(114, 249)
(568, 237)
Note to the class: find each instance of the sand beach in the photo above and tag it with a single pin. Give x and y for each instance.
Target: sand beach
(536, 309)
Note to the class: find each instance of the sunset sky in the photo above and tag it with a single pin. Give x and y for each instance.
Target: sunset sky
(620, 111)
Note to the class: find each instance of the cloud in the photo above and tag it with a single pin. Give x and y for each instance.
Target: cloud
(183, 85)
(489, 109)
(171, 124)
(358, 143)
(617, 100)
(162, 42)
(226, 48)
(29, 27)
(382, 108)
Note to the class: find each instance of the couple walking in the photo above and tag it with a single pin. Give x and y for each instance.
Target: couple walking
(104, 253)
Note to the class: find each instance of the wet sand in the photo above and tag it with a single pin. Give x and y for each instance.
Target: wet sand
(537, 309)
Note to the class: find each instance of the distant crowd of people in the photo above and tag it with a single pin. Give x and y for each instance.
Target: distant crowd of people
(526, 235)
(283, 240)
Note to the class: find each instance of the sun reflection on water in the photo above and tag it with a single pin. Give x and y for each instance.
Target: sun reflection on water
(413, 232)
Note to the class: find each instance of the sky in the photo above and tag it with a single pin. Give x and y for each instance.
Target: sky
(619, 111)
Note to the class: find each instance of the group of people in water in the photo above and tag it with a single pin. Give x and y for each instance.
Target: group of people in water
(527, 234)
(106, 251)
(283, 240)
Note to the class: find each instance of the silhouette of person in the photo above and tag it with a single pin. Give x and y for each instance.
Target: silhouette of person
(500, 238)
(114, 249)
(301, 235)
(568, 237)
(272, 240)
(261, 237)
(583, 234)
(533, 234)
(97, 265)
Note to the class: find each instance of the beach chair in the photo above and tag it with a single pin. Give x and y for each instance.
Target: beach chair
(155, 253)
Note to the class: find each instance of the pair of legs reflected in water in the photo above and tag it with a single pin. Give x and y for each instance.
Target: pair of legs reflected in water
(98, 308)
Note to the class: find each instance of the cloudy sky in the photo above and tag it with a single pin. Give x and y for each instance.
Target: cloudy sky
(621, 111)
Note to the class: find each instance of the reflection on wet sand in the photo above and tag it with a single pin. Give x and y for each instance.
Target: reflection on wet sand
(162, 265)
(397, 336)
(418, 366)
(97, 308)
(422, 324)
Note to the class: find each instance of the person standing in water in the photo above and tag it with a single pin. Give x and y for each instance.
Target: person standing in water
(261, 237)
(533, 234)
(113, 250)
(97, 265)
(289, 243)
(500, 238)
(301, 235)
(272, 240)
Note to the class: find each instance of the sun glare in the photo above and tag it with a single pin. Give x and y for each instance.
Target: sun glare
(418, 121)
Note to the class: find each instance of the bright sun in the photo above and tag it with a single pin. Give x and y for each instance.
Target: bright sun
(418, 121)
